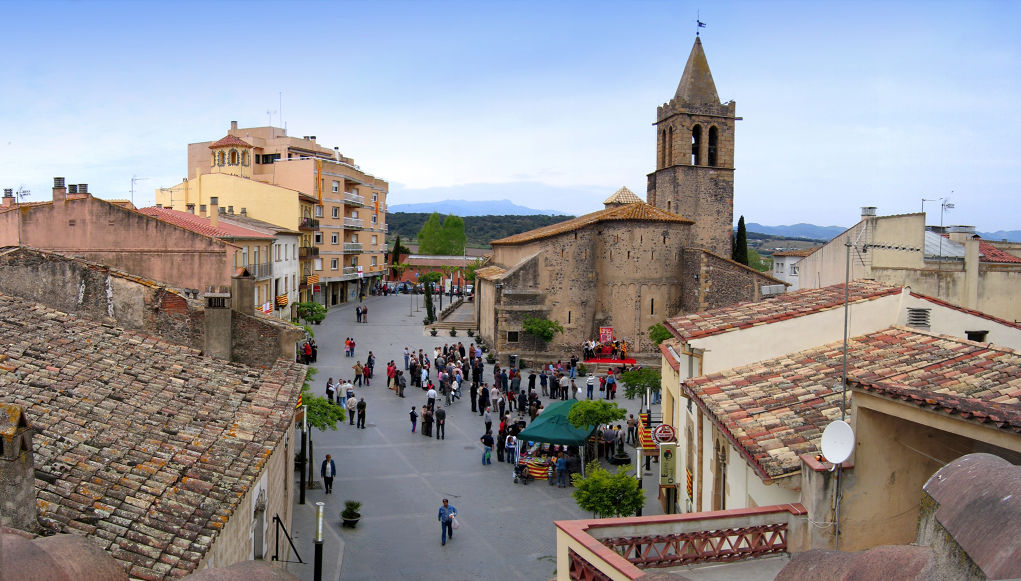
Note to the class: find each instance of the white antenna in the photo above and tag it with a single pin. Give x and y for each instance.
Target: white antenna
(134, 180)
(22, 193)
(270, 113)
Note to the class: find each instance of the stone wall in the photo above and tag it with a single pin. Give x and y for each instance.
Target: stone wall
(711, 281)
(702, 194)
(17, 470)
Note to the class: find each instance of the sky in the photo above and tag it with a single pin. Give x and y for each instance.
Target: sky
(549, 104)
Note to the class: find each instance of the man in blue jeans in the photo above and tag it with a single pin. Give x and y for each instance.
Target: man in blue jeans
(561, 471)
(487, 448)
(445, 516)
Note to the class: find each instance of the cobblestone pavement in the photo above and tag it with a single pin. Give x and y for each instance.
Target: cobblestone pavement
(506, 529)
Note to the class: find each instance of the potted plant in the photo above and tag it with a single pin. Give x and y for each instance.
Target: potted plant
(453, 332)
(350, 514)
(471, 332)
(433, 332)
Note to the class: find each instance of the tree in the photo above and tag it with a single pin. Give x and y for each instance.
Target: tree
(429, 236)
(320, 413)
(642, 380)
(658, 333)
(756, 261)
(595, 412)
(311, 312)
(741, 243)
(427, 281)
(453, 235)
(469, 271)
(607, 494)
(542, 328)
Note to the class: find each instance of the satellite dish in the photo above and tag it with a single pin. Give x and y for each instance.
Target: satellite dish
(837, 442)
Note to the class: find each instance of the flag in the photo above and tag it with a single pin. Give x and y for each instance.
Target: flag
(299, 404)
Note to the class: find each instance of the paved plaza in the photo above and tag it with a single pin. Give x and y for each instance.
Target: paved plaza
(506, 529)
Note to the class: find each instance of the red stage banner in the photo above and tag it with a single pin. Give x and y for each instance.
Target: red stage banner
(605, 334)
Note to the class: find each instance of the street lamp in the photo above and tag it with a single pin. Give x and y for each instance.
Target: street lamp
(318, 563)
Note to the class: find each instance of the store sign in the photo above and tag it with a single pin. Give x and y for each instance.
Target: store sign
(664, 433)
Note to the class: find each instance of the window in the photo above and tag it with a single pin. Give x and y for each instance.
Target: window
(244, 256)
(652, 306)
(276, 252)
(978, 336)
(336, 211)
(794, 270)
(713, 138)
(373, 262)
(354, 213)
(294, 251)
(319, 237)
(333, 238)
(512, 336)
(374, 218)
(918, 318)
(670, 146)
(375, 196)
(336, 186)
(568, 317)
(696, 145)
(319, 211)
(333, 264)
(233, 157)
(294, 281)
(373, 238)
(779, 267)
(354, 238)
(318, 263)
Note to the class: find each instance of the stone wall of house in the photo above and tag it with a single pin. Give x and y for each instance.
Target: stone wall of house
(711, 281)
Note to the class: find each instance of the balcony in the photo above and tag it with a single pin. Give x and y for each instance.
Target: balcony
(308, 224)
(306, 252)
(353, 247)
(261, 271)
(354, 199)
(354, 223)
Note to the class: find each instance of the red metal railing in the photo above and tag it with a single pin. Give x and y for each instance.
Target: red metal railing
(582, 570)
(714, 546)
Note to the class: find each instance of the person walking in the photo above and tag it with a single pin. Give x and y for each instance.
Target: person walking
(358, 313)
(361, 412)
(441, 423)
(414, 419)
(561, 471)
(358, 372)
(365, 314)
(487, 448)
(446, 518)
(590, 384)
(367, 374)
(351, 406)
(328, 471)
(632, 429)
(407, 358)
(401, 383)
(512, 449)
(330, 389)
(487, 417)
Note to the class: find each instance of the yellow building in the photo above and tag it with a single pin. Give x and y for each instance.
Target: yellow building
(295, 183)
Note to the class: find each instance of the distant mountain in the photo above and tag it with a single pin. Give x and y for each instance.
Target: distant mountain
(472, 208)
(1011, 235)
(798, 230)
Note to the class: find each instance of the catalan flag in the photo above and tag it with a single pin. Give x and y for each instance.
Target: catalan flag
(299, 404)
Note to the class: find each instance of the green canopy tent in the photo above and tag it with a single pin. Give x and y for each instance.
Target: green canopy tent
(552, 427)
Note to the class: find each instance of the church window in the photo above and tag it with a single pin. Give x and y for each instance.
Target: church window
(662, 148)
(664, 237)
(629, 255)
(696, 144)
(220, 158)
(512, 336)
(654, 255)
(233, 157)
(652, 306)
(713, 139)
(667, 208)
(568, 317)
(670, 146)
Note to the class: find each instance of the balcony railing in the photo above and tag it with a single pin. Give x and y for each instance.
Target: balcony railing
(354, 198)
(308, 224)
(350, 270)
(307, 252)
(353, 247)
(263, 270)
(353, 223)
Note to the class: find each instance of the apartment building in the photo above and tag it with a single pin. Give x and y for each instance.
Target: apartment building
(339, 209)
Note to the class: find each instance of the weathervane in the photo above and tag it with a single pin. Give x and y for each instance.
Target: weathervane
(698, 21)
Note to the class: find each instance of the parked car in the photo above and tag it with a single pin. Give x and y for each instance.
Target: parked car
(469, 289)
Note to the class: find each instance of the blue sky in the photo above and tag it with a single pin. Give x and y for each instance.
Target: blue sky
(844, 104)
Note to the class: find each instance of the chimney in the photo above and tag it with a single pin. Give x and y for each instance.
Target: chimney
(233, 125)
(83, 188)
(72, 188)
(17, 469)
(868, 211)
(312, 138)
(217, 316)
(214, 210)
(230, 210)
(242, 292)
(59, 191)
(159, 205)
(244, 212)
(190, 208)
(202, 210)
(8, 197)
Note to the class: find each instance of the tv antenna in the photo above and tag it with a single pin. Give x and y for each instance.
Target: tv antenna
(698, 21)
(22, 193)
(135, 180)
(269, 114)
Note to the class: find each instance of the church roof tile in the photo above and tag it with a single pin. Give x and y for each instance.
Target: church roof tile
(637, 211)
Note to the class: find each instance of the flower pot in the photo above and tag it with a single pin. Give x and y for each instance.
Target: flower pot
(350, 522)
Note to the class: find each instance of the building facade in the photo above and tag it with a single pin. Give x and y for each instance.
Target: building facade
(694, 174)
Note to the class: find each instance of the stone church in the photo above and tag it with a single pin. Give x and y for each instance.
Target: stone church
(632, 264)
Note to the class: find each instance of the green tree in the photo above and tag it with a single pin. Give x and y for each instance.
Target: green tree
(311, 312)
(452, 235)
(658, 333)
(638, 381)
(469, 271)
(398, 250)
(756, 261)
(430, 236)
(595, 412)
(607, 494)
(542, 328)
(740, 253)
(427, 279)
(321, 414)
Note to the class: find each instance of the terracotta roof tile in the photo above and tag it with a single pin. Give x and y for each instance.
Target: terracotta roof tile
(623, 196)
(228, 141)
(147, 446)
(773, 411)
(990, 253)
(635, 211)
(490, 272)
(781, 307)
(802, 253)
(203, 225)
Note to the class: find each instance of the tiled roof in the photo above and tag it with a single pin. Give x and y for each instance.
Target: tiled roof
(202, 225)
(145, 446)
(623, 196)
(972, 312)
(802, 253)
(422, 260)
(990, 253)
(636, 211)
(230, 140)
(774, 411)
(778, 308)
(490, 272)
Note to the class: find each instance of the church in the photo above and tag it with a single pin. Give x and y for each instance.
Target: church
(636, 262)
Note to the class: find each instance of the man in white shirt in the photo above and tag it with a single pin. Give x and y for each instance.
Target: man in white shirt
(431, 396)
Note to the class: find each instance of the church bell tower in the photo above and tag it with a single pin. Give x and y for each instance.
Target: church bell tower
(694, 174)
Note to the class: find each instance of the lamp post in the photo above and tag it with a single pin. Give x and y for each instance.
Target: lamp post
(318, 562)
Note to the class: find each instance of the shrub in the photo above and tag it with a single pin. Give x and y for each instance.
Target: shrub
(542, 328)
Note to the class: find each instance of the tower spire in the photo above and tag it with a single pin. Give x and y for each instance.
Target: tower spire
(697, 86)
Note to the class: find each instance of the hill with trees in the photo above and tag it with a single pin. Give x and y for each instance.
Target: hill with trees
(479, 230)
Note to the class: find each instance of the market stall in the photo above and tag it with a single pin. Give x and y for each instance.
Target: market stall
(549, 429)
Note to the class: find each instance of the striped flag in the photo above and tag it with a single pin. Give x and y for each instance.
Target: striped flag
(299, 404)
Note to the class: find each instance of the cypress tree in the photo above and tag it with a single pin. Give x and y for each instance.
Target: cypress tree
(740, 252)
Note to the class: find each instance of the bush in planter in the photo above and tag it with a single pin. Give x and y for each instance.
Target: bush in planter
(471, 332)
(453, 332)
(433, 332)
(350, 513)
(490, 358)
